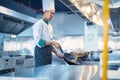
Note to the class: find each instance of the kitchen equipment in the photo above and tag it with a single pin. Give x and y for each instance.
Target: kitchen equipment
(83, 56)
(58, 50)
(18, 61)
(6, 64)
(113, 67)
(71, 59)
(95, 55)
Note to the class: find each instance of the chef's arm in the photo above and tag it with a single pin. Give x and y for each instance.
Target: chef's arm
(43, 43)
(53, 50)
(56, 53)
(53, 43)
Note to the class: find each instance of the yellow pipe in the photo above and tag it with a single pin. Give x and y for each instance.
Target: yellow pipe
(105, 37)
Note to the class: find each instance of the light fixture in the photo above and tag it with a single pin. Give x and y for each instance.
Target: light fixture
(13, 36)
(94, 17)
(88, 9)
(83, 9)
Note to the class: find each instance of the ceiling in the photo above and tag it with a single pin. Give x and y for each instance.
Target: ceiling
(67, 6)
(92, 11)
(18, 15)
(37, 5)
(30, 7)
(113, 3)
(14, 20)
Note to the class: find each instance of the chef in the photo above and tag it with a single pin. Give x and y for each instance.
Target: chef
(43, 34)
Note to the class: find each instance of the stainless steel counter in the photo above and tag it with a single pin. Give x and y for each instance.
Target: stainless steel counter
(58, 72)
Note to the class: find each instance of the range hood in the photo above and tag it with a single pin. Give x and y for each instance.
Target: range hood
(92, 10)
(12, 21)
(113, 3)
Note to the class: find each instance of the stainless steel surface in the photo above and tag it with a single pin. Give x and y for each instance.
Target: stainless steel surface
(1, 43)
(113, 3)
(59, 72)
(19, 62)
(14, 22)
(12, 13)
(14, 59)
(112, 74)
(92, 11)
(89, 11)
(6, 62)
(71, 6)
(9, 53)
(29, 63)
(115, 19)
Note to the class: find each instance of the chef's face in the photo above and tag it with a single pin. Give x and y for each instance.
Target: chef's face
(49, 14)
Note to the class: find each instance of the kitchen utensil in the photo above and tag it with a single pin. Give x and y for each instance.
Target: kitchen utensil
(71, 59)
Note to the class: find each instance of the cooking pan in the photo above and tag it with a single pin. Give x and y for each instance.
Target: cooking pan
(71, 59)
(82, 56)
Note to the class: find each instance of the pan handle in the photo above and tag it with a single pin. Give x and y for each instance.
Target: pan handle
(61, 50)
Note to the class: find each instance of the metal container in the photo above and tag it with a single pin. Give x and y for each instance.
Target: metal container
(71, 59)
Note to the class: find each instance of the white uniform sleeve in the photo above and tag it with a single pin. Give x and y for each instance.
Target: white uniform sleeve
(37, 31)
(51, 32)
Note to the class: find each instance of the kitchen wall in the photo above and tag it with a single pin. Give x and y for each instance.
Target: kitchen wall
(64, 24)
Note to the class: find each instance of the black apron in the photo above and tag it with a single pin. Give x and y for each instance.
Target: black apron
(43, 56)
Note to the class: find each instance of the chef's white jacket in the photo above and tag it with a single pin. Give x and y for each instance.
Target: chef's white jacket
(42, 32)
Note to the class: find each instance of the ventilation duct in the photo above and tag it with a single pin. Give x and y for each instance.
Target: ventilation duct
(14, 20)
(87, 10)
(92, 10)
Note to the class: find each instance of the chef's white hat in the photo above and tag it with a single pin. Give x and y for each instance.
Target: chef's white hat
(48, 5)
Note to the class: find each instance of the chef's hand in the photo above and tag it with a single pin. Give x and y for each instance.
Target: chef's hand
(59, 55)
(56, 44)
